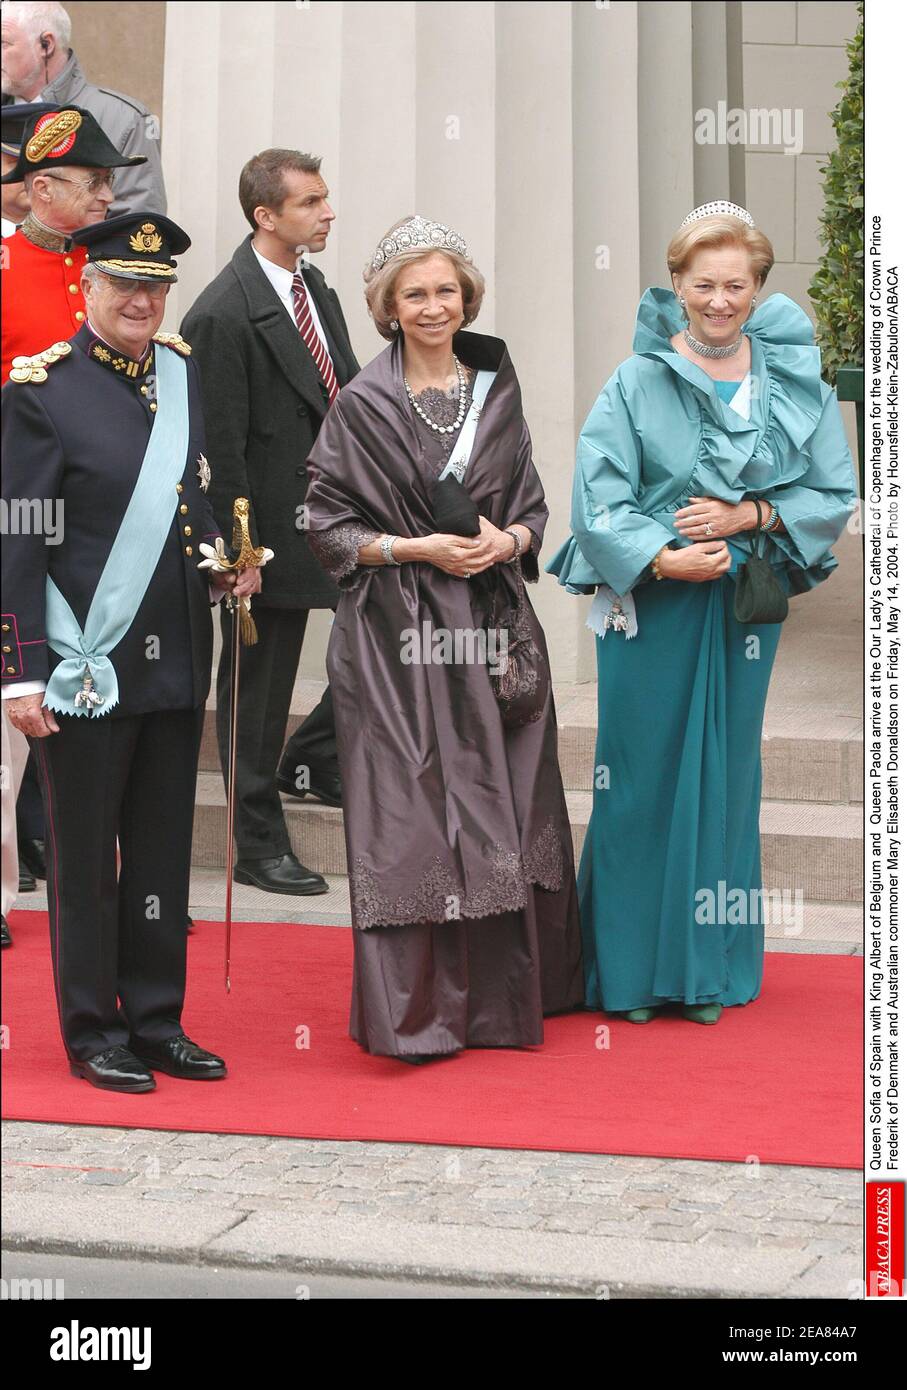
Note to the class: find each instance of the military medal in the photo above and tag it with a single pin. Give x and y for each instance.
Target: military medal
(88, 695)
(204, 472)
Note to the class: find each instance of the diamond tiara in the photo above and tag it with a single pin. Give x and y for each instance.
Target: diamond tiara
(719, 209)
(416, 233)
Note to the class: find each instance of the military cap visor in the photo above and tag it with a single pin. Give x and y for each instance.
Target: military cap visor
(134, 246)
(66, 135)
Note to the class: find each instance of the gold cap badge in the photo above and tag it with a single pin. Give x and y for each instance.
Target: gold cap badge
(146, 238)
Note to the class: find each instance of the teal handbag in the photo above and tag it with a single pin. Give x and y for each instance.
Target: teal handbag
(760, 597)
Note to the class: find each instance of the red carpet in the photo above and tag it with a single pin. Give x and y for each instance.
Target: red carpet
(779, 1080)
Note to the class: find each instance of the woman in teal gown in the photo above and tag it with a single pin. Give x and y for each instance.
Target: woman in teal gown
(718, 424)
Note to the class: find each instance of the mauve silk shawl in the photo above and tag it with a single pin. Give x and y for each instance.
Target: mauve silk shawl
(447, 815)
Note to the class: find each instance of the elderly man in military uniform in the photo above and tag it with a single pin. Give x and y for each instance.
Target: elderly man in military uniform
(66, 162)
(63, 162)
(107, 640)
(38, 63)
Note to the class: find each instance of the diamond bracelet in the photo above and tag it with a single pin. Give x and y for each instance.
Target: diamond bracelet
(387, 550)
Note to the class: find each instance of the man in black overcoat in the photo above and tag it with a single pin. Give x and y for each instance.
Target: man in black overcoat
(273, 350)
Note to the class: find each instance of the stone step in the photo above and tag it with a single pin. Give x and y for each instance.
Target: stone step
(826, 927)
(826, 769)
(793, 769)
(808, 848)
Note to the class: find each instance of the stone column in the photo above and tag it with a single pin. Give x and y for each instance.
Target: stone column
(666, 147)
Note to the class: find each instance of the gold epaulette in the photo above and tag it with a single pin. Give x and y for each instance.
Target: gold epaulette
(34, 369)
(175, 341)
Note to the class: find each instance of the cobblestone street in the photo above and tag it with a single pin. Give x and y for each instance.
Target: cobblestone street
(637, 1225)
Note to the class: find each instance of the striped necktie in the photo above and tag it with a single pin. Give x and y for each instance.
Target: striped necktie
(316, 347)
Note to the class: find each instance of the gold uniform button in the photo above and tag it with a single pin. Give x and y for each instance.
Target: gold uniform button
(67, 260)
(73, 289)
(152, 406)
(188, 549)
(10, 670)
(5, 627)
(7, 649)
(183, 509)
(179, 487)
(80, 316)
(187, 530)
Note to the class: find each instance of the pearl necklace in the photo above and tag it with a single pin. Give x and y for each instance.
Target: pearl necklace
(705, 350)
(461, 413)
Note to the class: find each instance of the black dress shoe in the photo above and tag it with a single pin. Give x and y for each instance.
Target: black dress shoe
(5, 938)
(31, 854)
(115, 1069)
(181, 1057)
(284, 874)
(324, 785)
(190, 925)
(27, 881)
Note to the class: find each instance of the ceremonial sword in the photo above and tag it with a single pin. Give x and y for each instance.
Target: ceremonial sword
(244, 633)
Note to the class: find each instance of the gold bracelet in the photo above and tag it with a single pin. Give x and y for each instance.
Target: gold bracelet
(656, 565)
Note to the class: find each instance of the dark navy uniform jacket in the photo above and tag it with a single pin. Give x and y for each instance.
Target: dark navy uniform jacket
(76, 442)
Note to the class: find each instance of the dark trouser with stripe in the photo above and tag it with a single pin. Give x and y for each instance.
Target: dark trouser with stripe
(130, 778)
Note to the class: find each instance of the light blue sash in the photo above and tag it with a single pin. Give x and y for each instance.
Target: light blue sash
(459, 454)
(132, 560)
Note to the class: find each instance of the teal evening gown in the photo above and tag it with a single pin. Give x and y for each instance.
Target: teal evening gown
(674, 832)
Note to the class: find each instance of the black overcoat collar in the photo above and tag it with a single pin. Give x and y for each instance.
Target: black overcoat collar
(272, 324)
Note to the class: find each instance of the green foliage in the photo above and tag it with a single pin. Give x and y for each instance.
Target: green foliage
(837, 286)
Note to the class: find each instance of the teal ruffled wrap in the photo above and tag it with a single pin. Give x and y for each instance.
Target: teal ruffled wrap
(659, 433)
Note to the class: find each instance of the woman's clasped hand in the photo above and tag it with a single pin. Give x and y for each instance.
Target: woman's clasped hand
(704, 521)
(696, 563)
(465, 556)
(707, 517)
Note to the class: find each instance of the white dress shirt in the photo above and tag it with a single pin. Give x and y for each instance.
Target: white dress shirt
(282, 281)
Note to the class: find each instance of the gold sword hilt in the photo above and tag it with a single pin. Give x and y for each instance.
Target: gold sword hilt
(247, 556)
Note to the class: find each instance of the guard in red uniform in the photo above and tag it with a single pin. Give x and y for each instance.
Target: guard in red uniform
(65, 161)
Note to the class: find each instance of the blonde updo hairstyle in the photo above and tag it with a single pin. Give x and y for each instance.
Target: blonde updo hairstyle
(708, 233)
(380, 285)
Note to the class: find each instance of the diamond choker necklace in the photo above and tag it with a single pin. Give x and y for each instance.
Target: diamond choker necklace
(705, 350)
